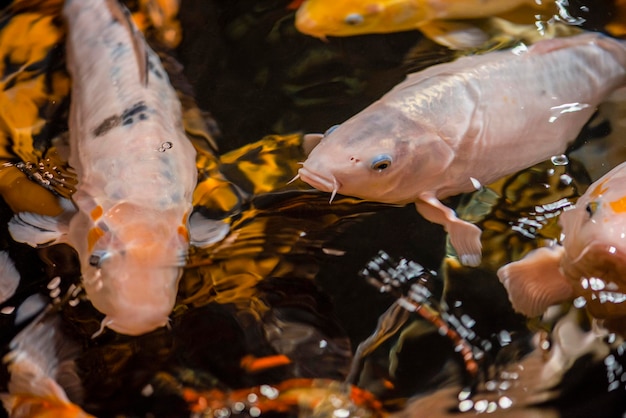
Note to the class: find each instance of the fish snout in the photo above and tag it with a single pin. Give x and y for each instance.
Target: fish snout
(308, 26)
(317, 180)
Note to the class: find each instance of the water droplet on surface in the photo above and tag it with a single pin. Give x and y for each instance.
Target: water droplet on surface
(505, 402)
(559, 159)
(269, 392)
(165, 146)
(147, 390)
(466, 405)
(579, 302)
(341, 413)
(481, 406)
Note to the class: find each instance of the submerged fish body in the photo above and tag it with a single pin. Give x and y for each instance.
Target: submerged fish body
(321, 18)
(453, 127)
(589, 265)
(135, 166)
(44, 379)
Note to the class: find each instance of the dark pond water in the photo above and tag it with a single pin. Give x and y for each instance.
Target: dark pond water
(268, 321)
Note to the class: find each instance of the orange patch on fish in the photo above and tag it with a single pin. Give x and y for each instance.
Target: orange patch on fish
(258, 364)
(93, 236)
(619, 206)
(96, 213)
(182, 231)
(599, 190)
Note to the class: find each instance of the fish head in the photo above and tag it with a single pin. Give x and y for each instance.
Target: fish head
(321, 18)
(132, 272)
(373, 157)
(595, 246)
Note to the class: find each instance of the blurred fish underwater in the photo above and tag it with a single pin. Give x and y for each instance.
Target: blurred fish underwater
(304, 309)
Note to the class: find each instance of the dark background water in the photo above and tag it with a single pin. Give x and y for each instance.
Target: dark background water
(257, 76)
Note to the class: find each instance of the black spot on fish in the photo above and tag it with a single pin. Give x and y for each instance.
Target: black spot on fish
(154, 70)
(139, 109)
(106, 125)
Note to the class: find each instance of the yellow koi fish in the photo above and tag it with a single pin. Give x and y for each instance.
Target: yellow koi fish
(321, 18)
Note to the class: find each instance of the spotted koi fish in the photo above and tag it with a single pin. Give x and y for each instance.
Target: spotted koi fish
(136, 171)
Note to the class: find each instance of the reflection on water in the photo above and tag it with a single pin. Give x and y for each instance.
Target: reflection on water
(275, 320)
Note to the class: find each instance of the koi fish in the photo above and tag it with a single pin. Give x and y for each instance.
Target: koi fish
(135, 167)
(321, 18)
(41, 356)
(590, 263)
(9, 277)
(456, 126)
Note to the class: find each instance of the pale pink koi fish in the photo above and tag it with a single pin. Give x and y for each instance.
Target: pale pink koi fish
(136, 171)
(589, 266)
(456, 126)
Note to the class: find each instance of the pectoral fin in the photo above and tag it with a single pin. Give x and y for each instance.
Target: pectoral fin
(38, 230)
(464, 236)
(536, 282)
(454, 34)
(204, 232)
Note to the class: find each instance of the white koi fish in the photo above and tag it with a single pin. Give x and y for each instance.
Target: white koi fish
(136, 171)
(590, 265)
(44, 379)
(455, 126)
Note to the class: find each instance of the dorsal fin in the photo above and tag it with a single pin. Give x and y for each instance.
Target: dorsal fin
(122, 15)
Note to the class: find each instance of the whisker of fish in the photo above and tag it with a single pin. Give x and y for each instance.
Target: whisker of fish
(297, 176)
(334, 192)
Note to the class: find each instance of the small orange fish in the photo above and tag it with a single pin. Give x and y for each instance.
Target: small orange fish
(254, 364)
(28, 406)
(321, 18)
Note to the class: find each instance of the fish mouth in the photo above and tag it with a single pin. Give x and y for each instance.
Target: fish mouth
(320, 182)
(305, 24)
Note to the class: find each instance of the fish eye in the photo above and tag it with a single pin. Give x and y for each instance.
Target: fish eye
(330, 130)
(591, 208)
(97, 257)
(381, 162)
(354, 19)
